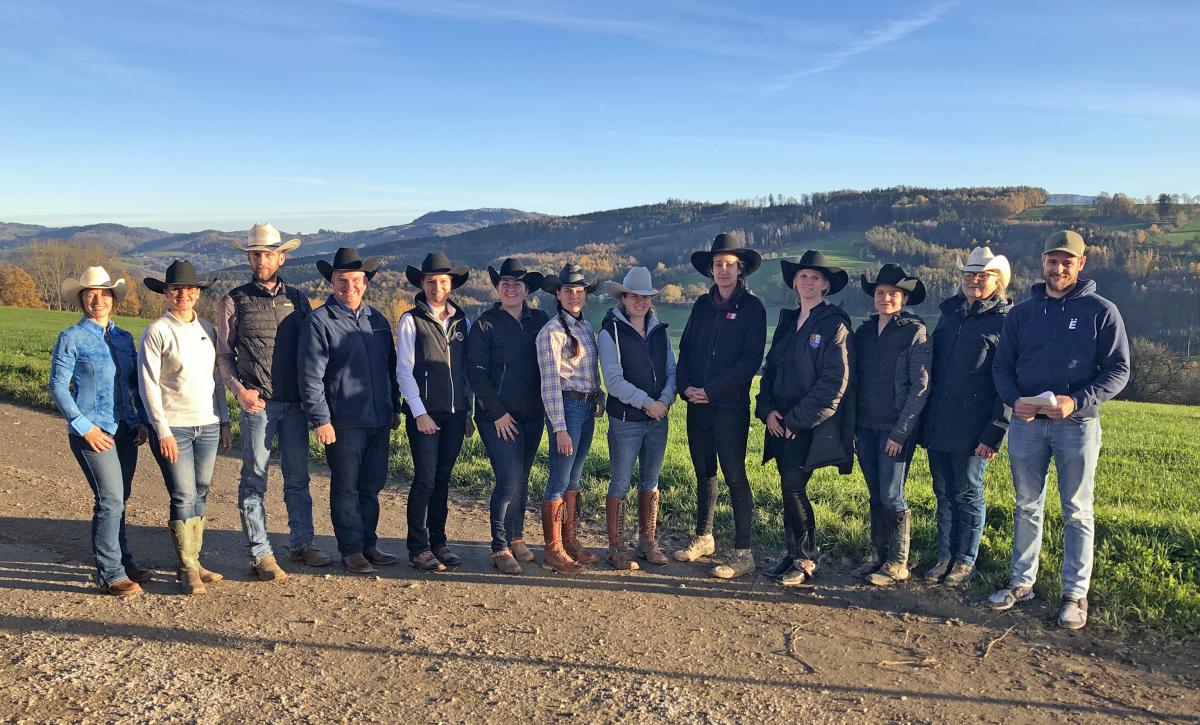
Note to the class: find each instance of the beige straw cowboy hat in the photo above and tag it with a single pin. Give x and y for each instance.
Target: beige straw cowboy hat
(265, 238)
(93, 278)
(983, 260)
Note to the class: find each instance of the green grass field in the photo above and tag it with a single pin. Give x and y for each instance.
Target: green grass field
(1147, 573)
(1185, 233)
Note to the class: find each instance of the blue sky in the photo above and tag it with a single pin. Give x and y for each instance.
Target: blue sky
(355, 114)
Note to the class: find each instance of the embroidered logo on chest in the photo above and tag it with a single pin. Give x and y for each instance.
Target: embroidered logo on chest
(1074, 321)
(814, 340)
(731, 315)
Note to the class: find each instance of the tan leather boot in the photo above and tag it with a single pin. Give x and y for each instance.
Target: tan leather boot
(570, 517)
(520, 551)
(614, 517)
(648, 528)
(554, 557)
(188, 572)
(206, 576)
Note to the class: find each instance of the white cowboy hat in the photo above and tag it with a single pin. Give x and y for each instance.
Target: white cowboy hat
(983, 260)
(93, 278)
(265, 238)
(637, 281)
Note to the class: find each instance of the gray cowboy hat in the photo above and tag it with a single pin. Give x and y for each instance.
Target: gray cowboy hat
(514, 269)
(346, 259)
(570, 275)
(894, 275)
(814, 259)
(437, 263)
(726, 244)
(637, 282)
(181, 273)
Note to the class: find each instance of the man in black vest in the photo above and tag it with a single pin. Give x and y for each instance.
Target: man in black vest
(259, 325)
(431, 369)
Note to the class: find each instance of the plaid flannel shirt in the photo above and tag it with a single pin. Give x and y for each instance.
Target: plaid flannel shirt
(560, 372)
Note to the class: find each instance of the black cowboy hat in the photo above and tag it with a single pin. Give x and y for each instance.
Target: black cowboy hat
(894, 275)
(181, 273)
(726, 244)
(513, 268)
(347, 259)
(813, 259)
(437, 263)
(570, 274)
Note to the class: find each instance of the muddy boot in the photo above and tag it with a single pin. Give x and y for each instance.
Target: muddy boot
(570, 539)
(895, 569)
(784, 565)
(188, 571)
(878, 553)
(520, 551)
(648, 528)
(698, 545)
(739, 564)
(554, 557)
(206, 576)
(614, 517)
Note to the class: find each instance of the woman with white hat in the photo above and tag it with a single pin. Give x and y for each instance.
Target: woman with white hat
(93, 381)
(184, 398)
(639, 374)
(965, 421)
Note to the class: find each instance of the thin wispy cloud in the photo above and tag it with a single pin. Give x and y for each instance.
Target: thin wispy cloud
(874, 40)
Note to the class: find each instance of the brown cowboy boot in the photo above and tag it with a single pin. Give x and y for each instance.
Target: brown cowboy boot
(569, 536)
(614, 515)
(554, 557)
(648, 528)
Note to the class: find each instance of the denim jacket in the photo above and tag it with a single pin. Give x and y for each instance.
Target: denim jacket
(93, 378)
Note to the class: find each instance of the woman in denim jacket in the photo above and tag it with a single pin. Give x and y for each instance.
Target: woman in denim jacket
(93, 381)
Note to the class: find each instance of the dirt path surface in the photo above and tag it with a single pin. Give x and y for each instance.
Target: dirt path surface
(473, 645)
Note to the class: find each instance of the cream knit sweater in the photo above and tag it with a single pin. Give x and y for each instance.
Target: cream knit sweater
(178, 378)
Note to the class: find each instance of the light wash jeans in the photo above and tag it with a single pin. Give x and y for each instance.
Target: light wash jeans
(110, 475)
(188, 477)
(287, 422)
(567, 471)
(1075, 448)
(635, 441)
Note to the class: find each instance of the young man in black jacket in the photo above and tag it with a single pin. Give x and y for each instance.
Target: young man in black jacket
(721, 350)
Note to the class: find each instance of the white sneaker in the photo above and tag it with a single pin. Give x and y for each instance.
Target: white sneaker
(697, 547)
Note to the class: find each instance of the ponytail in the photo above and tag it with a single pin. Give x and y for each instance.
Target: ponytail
(567, 329)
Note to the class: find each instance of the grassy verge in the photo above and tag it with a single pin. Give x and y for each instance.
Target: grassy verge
(1147, 571)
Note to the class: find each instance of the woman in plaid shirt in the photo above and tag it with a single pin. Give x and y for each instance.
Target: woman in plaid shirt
(570, 371)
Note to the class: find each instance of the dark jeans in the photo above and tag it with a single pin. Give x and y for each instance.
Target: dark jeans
(958, 486)
(799, 522)
(187, 479)
(512, 462)
(109, 473)
(433, 461)
(358, 466)
(884, 474)
(720, 434)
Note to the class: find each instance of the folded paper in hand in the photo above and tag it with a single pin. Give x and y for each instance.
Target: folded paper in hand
(1045, 400)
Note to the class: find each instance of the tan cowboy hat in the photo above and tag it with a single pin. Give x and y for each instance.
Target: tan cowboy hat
(983, 260)
(93, 278)
(637, 282)
(265, 238)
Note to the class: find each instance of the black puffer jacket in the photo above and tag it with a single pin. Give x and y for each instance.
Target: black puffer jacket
(808, 380)
(722, 347)
(964, 408)
(892, 374)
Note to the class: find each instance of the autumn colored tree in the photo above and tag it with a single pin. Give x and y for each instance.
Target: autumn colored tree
(17, 288)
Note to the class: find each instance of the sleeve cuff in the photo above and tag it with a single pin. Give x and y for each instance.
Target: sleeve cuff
(81, 425)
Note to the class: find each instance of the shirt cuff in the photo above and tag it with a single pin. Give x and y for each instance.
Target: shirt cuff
(415, 406)
(81, 425)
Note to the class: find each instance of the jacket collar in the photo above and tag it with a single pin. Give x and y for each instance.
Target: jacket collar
(337, 308)
(497, 308)
(721, 303)
(1082, 287)
(954, 305)
(421, 304)
(614, 315)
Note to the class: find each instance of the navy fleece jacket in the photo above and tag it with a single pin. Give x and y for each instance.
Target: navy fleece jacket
(1074, 345)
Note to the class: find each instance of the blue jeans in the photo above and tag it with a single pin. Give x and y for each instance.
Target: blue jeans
(884, 474)
(287, 422)
(188, 477)
(566, 471)
(630, 441)
(358, 467)
(110, 474)
(433, 456)
(1075, 447)
(958, 487)
(512, 462)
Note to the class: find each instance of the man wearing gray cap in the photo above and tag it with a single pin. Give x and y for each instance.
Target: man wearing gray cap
(1062, 353)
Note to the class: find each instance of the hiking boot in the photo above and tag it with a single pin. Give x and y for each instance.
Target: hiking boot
(554, 557)
(959, 575)
(614, 518)
(1008, 597)
(648, 529)
(123, 588)
(895, 569)
(447, 557)
(1073, 614)
(698, 546)
(505, 562)
(740, 564)
(378, 557)
(425, 561)
(520, 551)
(268, 570)
(570, 517)
(798, 573)
(310, 555)
(935, 573)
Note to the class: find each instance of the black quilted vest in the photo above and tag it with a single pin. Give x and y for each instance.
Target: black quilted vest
(268, 329)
